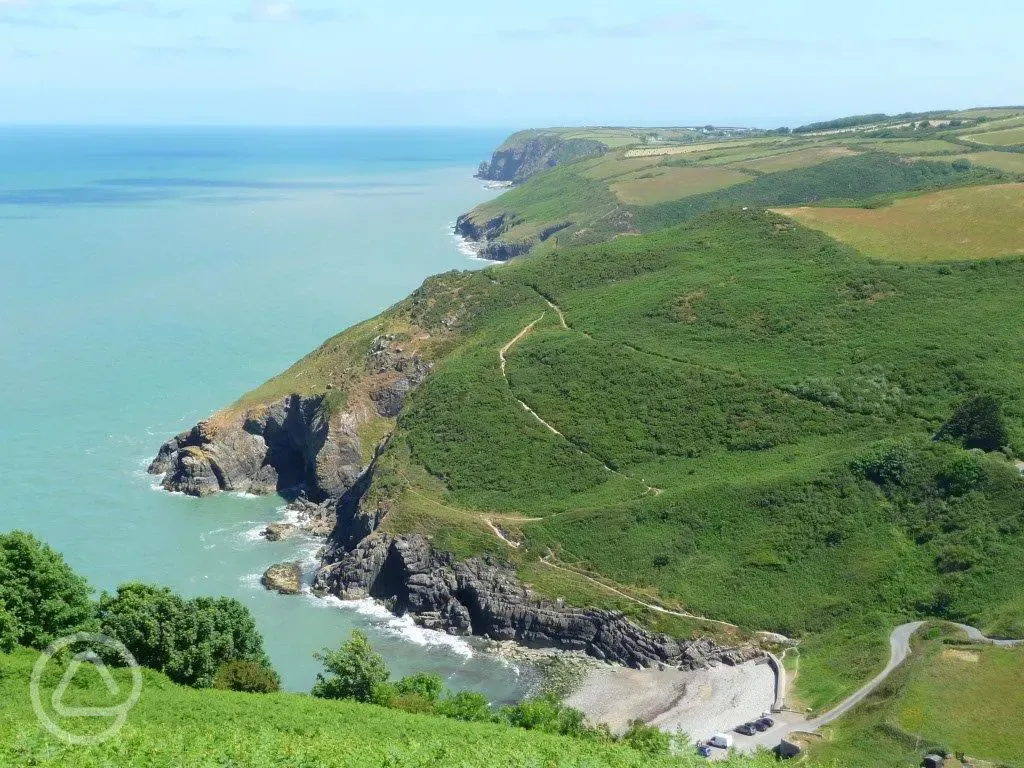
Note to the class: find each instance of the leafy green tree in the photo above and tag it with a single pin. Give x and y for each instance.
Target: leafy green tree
(962, 475)
(9, 631)
(246, 676)
(353, 671)
(546, 713)
(188, 640)
(465, 705)
(648, 739)
(43, 597)
(977, 423)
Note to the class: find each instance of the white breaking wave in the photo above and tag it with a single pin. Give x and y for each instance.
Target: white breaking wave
(401, 626)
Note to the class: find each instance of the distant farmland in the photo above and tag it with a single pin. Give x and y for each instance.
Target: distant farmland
(950, 225)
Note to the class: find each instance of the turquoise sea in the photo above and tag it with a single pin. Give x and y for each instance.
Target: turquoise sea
(151, 276)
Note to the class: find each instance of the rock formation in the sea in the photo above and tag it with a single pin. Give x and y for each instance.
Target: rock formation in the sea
(296, 443)
(278, 531)
(482, 596)
(530, 152)
(285, 578)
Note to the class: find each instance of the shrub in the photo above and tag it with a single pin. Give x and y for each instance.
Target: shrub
(43, 598)
(353, 671)
(886, 465)
(648, 739)
(977, 423)
(188, 640)
(465, 705)
(546, 713)
(961, 476)
(246, 676)
(427, 686)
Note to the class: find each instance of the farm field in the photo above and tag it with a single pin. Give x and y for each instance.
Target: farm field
(960, 697)
(660, 185)
(801, 158)
(949, 225)
(1012, 162)
(907, 147)
(1006, 138)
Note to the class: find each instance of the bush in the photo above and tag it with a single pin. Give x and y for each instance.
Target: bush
(43, 598)
(977, 423)
(188, 640)
(429, 687)
(353, 671)
(465, 705)
(961, 476)
(648, 739)
(888, 465)
(247, 677)
(546, 713)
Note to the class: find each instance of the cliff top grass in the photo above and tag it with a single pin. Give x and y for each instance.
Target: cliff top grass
(177, 726)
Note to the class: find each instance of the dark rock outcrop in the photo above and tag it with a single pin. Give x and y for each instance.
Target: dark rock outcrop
(484, 597)
(488, 240)
(524, 155)
(294, 443)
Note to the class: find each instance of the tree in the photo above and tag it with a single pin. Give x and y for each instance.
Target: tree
(188, 640)
(353, 671)
(648, 739)
(9, 631)
(43, 598)
(977, 423)
(246, 676)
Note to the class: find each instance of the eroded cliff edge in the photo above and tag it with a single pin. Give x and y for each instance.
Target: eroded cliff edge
(527, 153)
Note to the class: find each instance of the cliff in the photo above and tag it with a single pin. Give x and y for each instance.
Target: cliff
(482, 596)
(529, 152)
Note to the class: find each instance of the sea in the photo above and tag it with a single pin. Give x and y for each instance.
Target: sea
(151, 276)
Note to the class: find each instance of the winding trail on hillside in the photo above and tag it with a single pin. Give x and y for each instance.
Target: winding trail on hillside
(548, 560)
(503, 360)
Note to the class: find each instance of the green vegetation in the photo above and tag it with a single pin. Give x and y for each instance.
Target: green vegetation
(1007, 138)
(743, 367)
(176, 726)
(188, 640)
(844, 180)
(950, 696)
(41, 598)
(247, 677)
(672, 183)
(949, 225)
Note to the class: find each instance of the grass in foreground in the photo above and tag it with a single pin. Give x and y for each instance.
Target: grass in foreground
(950, 225)
(185, 728)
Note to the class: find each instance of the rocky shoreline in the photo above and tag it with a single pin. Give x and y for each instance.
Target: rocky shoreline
(484, 597)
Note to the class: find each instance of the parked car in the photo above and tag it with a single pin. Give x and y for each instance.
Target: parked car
(721, 740)
(764, 723)
(747, 729)
(704, 750)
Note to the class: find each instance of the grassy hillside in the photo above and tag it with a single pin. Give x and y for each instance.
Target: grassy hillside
(176, 726)
(953, 695)
(714, 391)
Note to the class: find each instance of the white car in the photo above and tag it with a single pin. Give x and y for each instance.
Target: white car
(721, 740)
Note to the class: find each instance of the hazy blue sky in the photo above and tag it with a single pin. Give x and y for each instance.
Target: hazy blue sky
(532, 62)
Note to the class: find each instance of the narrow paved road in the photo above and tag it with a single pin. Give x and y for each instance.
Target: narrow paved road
(899, 649)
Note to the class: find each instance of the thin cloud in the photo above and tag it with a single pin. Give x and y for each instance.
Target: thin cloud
(587, 27)
(130, 7)
(281, 11)
(194, 46)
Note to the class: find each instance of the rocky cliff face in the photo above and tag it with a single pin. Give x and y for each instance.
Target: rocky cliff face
(525, 155)
(294, 443)
(488, 236)
(484, 597)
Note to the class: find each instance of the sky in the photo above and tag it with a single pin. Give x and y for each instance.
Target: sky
(529, 63)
